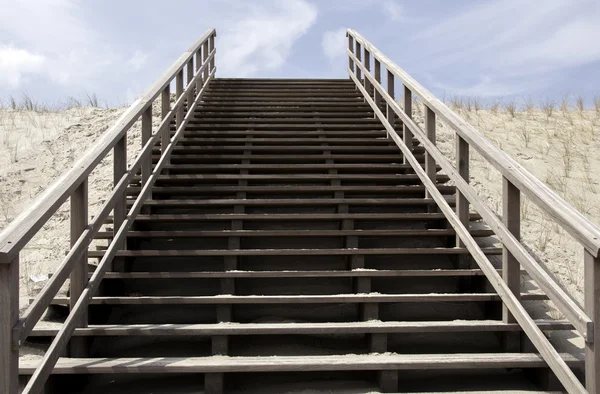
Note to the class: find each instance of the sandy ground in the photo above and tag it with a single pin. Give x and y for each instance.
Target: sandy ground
(559, 148)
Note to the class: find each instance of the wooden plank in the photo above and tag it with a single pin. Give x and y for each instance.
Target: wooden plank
(462, 166)
(368, 327)
(292, 202)
(407, 107)
(9, 316)
(146, 135)
(591, 287)
(293, 216)
(576, 224)
(165, 109)
(178, 94)
(355, 362)
(204, 189)
(430, 167)
(297, 233)
(119, 170)
(358, 56)
(298, 299)
(355, 273)
(292, 177)
(541, 343)
(79, 273)
(293, 252)
(511, 269)
(563, 300)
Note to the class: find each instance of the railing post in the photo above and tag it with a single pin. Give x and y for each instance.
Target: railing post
(430, 168)
(377, 72)
(212, 46)
(119, 169)
(165, 107)
(190, 76)
(511, 269)
(79, 274)
(204, 58)
(406, 133)
(178, 93)
(351, 48)
(591, 290)
(462, 165)
(367, 57)
(9, 316)
(199, 81)
(358, 54)
(146, 135)
(390, 90)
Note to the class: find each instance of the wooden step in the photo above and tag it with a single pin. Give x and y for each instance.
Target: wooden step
(299, 299)
(306, 149)
(333, 134)
(290, 178)
(292, 202)
(282, 140)
(290, 168)
(294, 233)
(284, 126)
(224, 364)
(368, 327)
(293, 252)
(202, 113)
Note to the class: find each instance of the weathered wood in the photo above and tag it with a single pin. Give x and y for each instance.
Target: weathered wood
(211, 49)
(79, 274)
(377, 73)
(293, 252)
(9, 315)
(568, 217)
(462, 166)
(292, 202)
(213, 383)
(407, 107)
(165, 109)
(178, 94)
(358, 53)
(541, 343)
(351, 48)
(294, 216)
(354, 362)
(367, 60)
(591, 278)
(511, 269)
(430, 167)
(564, 301)
(366, 327)
(391, 93)
(146, 135)
(205, 52)
(372, 299)
(119, 170)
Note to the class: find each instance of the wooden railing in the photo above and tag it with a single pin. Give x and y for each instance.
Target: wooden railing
(516, 180)
(198, 65)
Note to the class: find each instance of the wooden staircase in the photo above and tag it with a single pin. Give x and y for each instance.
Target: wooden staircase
(294, 235)
(287, 235)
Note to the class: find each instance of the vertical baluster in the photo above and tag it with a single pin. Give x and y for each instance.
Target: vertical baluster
(79, 274)
(204, 58)
(429, 161)
(367, 60)
(146, 135)
(591, 306)
(390, 90)
(190, 76)
(119, 169)
(351, 49)
(377, 72)
(406, 133)
(358, 54)
(9, 315)
(212, 46)
(511, 217)
(462, 165)
(198, 65)
(178, 93)
(165, 107)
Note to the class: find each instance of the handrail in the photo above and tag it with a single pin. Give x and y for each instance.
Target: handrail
(74, 184)
(30, 221)
(586, 232)
(514, 251)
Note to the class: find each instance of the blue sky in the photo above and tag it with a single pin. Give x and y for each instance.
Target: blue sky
(539, 49)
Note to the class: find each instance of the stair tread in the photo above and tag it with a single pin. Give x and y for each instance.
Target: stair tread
(349, 362)
(299, 328)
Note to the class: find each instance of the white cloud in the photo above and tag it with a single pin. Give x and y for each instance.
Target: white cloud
(334, 43)
(261, 36)
(16, 63)
(392, 9)
(138, 59)
(508, 45)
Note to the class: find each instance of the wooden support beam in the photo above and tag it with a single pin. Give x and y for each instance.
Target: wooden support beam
(213, 383)
(212, 46)
(407, 135)
(119, 169)
(9, 316)
(430, 167)
(377, 72)
(165, 107)
(390, 90)
(351, 49)
(367, 61)
(199, 81)
(178, 93)
(358, 54)
(462, 165)
(146, 135)
(511, 269)
(592, 308)
(388, 381)
(79, 274)
(205, 53)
